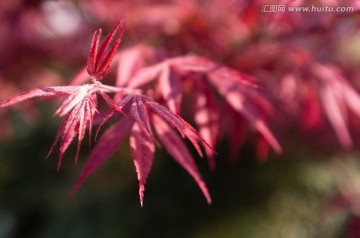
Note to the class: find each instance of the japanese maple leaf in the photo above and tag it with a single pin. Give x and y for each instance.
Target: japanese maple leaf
(78, 109)
(140, 111)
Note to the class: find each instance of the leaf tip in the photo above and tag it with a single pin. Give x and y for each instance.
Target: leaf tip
(208, 199)
(141, 194)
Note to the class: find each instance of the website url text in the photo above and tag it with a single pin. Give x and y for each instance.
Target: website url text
(313, 8)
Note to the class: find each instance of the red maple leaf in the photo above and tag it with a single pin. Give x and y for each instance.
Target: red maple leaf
(100, 57)
(141, 110)
(78, 109)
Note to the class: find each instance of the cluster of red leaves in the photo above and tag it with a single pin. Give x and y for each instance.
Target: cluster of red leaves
(316, 94)
(168, 79)
(172, 76)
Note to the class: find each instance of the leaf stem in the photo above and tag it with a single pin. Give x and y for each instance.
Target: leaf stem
(113, 89)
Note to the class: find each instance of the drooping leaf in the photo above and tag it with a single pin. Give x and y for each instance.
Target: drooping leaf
(177, 149)
(105, 147)
(142, 150)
